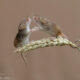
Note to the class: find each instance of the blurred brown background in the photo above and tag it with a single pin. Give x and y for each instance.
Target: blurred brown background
(51, 63)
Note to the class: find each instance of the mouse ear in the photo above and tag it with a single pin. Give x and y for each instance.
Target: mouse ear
(36, 17)
(28, 19)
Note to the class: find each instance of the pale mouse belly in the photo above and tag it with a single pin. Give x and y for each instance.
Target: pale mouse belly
(26, 39)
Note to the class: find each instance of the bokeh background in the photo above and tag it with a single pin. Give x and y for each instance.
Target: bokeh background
(51, 63)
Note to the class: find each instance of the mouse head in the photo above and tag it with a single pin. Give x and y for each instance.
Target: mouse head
(24, 23)
(41, 20)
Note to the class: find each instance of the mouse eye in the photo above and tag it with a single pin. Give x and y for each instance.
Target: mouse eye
(28, 19)
(44, 22)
